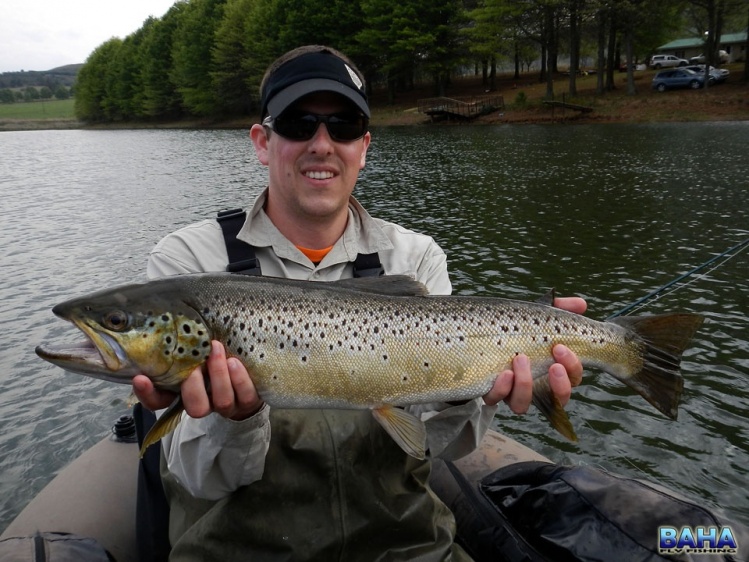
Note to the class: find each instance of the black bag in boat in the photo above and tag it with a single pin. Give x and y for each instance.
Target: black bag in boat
(542, 512)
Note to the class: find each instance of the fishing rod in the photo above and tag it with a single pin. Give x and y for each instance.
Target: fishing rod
(738, 247)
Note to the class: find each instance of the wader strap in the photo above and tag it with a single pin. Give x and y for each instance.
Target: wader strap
(242, 255)
(368, 265)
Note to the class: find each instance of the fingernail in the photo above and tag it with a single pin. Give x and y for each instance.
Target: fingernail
(217, 349)
(233, 364)
(522, 361)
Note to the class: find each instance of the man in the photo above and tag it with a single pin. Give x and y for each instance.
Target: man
(246, 482)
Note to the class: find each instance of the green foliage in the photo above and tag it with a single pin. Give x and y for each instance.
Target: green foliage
(191, 55)
(6, 96)
(207, 57)
(521, 100)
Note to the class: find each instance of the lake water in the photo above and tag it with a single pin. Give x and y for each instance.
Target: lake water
(606, 212)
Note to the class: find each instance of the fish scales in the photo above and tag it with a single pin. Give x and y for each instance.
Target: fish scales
(376, 343)
(326, 347)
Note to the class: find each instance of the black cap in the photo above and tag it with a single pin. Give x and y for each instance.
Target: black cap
(309, 73)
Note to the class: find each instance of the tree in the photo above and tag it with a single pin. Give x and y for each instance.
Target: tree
(62, 93)
(191, 55)
(159, 96)
(6, 96)
(91, 90)
(229, 74)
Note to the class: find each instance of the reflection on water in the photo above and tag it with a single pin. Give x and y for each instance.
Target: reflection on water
(606, 212)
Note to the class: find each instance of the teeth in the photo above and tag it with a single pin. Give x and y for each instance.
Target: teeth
(319, 175)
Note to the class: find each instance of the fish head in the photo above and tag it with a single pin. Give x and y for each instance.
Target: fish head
(133, 330)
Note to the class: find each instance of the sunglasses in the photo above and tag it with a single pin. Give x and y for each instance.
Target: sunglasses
(301, 126)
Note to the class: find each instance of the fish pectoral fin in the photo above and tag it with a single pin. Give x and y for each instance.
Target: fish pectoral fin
(406, 429)
(164, 425)
(549, 405)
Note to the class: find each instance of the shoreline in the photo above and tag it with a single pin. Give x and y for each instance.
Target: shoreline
(724, 102)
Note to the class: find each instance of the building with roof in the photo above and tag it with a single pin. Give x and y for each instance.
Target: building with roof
(732, 43)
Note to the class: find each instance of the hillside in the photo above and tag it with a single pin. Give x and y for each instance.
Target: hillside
(60, 76)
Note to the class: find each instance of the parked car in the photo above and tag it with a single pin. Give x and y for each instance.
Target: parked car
(723, 57)
(717, 75)
(677, 78)
(666, 61)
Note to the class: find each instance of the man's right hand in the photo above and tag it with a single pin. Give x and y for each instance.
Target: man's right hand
(232, 393)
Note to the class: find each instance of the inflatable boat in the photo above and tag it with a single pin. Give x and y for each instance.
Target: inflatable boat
(510, 503)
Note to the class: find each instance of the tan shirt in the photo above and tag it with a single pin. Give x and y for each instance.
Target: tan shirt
(213, 456)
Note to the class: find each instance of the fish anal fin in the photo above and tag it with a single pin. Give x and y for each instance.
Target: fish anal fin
(549, 405)
(164, 424)
(406, 429)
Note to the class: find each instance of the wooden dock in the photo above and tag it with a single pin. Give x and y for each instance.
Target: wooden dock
(460, 108)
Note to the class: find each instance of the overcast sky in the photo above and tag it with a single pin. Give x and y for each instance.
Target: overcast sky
(44, 34)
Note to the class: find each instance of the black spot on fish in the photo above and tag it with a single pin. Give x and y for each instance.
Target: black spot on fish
(239, 351)
(195, 352)
(180, 350)
(241, 325)
(151, 324)
(281, 345)
(164, 317)
(169, 339)
(205, 344)
(186, 328)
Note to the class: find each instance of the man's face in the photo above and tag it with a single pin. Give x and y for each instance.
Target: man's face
(311, 180)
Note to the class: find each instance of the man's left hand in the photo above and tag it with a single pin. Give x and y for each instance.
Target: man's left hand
(515, 386)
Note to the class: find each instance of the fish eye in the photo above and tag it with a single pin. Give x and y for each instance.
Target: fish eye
(115, 320)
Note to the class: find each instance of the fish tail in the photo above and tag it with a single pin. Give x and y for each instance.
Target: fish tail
(164, 424)
(662, 340)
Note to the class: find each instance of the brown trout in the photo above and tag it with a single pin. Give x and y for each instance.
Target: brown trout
(373, 343)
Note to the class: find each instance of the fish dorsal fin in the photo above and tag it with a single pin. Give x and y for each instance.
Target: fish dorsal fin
(392, 285)
(165, 424)
(406, 429)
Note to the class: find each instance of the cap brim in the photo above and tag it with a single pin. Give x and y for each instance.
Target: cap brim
(293, 93)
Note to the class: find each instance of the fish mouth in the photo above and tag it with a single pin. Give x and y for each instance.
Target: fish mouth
(100, 356)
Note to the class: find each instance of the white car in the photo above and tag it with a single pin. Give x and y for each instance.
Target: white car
(667, 61)
(722, 56)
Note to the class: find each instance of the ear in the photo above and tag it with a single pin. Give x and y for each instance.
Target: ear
(259, 137)
(366, 139)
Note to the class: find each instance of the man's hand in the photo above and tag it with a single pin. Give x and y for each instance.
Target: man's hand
(231, 394)
(515, 386)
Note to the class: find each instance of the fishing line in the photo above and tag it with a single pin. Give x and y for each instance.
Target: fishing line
(659, 292)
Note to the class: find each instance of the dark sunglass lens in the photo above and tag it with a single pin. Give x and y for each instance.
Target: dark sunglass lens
(296, 126)
(347, 127)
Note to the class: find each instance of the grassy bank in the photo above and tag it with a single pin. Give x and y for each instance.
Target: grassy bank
(48, 114)
(523, 104)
